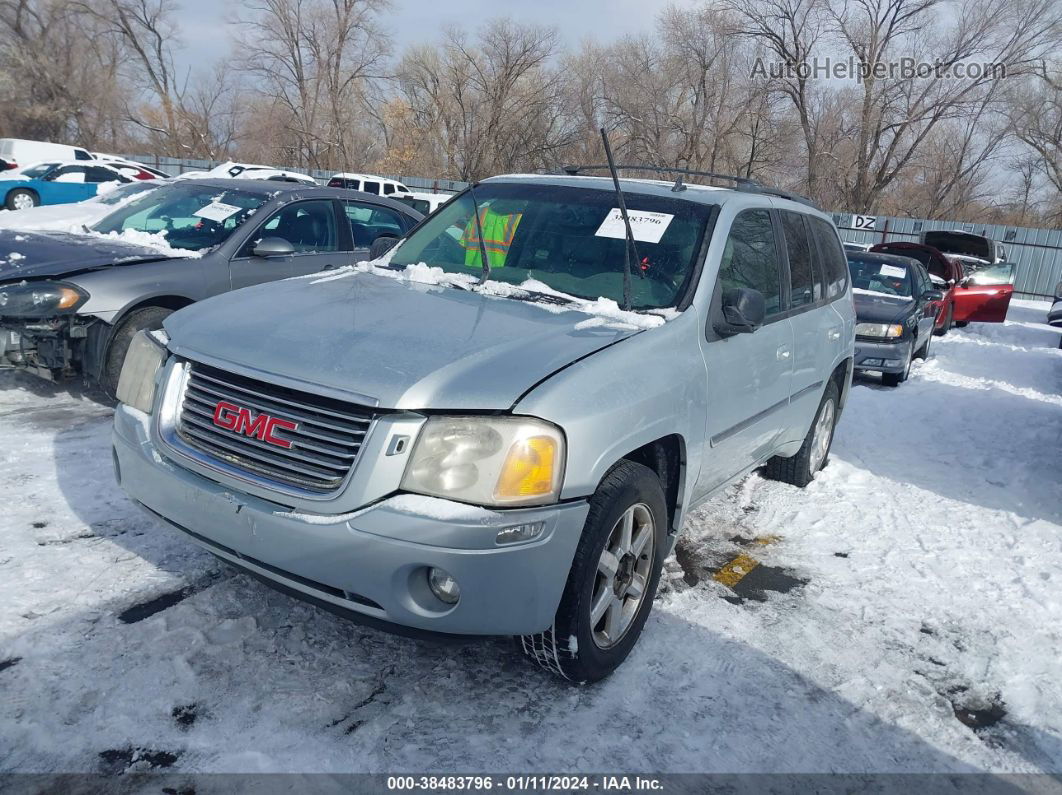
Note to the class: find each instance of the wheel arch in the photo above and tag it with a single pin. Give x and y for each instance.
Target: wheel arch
(666, 456)
(13, 188)
(101, 334)
(842, 377)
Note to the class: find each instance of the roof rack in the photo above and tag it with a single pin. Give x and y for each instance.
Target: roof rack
(745, 184)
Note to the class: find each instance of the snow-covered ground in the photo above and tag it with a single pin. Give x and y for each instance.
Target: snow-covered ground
(919, 576)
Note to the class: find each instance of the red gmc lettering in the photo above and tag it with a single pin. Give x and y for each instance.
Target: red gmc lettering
(236, 418)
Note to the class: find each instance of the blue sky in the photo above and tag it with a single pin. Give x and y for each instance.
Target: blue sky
(206, 33)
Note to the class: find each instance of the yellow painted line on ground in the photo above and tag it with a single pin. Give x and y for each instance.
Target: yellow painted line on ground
(731, 574)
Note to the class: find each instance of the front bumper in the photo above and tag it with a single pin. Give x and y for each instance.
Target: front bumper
(370, 563)
(50, 347)
(882, 357)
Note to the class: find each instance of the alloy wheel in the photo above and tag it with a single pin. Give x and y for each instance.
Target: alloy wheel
(820, 441)
(623, 573)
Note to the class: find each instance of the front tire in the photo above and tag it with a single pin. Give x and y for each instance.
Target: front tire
(800, 469)
(149, 319)
(962, 323)
(895, 379)
(21, 199)
(613, 579)
(940, 332)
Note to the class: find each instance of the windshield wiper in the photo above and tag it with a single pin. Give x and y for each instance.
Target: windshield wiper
(479, 233)
(630, 244)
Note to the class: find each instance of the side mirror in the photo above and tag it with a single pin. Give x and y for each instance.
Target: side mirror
(743, 312)
(269, 247)
(381, 246)
(933, 295)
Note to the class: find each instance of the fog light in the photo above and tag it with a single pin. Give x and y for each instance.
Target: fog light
(443, 586)
(520, 532)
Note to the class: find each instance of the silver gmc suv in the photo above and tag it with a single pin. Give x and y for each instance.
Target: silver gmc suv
(497, 426)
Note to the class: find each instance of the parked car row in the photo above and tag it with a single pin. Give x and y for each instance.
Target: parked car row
(907, 292)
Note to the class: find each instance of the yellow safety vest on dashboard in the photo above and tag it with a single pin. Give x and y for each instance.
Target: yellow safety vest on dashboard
(498, 233)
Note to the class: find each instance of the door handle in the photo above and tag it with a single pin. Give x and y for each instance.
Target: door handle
(783, 353)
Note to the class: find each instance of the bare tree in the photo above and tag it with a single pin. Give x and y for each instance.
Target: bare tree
(490, 103)
(789, 31)
(313, 59)
(897, 115)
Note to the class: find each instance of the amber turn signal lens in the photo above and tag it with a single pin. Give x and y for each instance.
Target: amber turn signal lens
(529, 468)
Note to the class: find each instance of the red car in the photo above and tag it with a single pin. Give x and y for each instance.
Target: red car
(980, 295)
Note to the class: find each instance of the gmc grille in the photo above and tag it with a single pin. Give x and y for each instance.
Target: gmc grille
(324, 444)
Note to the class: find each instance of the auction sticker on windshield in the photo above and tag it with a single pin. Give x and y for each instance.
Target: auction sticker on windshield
(217, 211)
(646, 226)
(893, 272)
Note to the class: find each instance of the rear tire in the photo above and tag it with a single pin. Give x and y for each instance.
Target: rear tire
(148, 319)
(21, 199)
(814, 453)
(940, 332)
(962, 323)
(612, 581)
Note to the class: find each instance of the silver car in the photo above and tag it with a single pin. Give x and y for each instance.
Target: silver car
(498, 427)
(71, 302)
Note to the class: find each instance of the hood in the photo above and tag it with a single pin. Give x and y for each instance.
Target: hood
(35, 255)
(393, 343)
(957, 242)
(872, 308)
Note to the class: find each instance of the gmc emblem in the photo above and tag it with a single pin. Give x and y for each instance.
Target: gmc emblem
(241, 420)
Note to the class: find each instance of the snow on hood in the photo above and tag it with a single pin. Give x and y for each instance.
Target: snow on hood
(604, 312)
(152, 240)
(384, 338)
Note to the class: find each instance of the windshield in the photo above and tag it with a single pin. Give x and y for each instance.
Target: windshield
(193, 217)
(39, 170)
(876, 276)
(570, 239)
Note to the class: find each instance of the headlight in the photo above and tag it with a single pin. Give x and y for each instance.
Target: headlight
(136, 384)
(39, 299)
(882, 330)
(501, 461)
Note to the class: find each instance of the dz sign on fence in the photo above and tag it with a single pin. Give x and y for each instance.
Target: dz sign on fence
(863, 221)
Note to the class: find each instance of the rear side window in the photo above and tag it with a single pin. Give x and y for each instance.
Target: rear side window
(372, 187)
(834, 262)
(97, 174)
(388, 188)
(81, 154)
(803, 289)
(750, 258)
